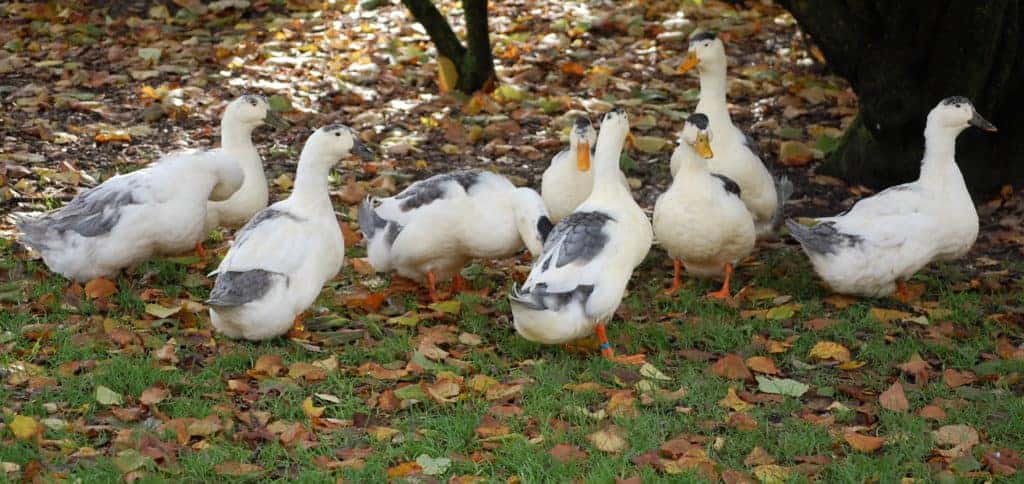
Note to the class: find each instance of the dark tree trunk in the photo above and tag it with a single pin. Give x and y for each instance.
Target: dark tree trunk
(474, 64)
(902, 57)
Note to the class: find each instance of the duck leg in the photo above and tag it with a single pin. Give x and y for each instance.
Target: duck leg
(432, 286)
(200, 251)
(458, 283)
(676, 279)
(902, 293)
(723, 293)
(609, 353)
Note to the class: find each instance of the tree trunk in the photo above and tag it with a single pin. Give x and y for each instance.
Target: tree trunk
(902, 57)
(475, 64)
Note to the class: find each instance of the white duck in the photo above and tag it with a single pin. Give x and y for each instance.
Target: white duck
(701, 220)
(567, 181)
(240, 118)
(283, 256)
(430, 230)
(734, 157)
(871, 249)
(129, 218)
(580, 278)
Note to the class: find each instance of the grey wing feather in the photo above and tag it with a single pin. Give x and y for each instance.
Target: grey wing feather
(822, 238)
(262, 216)
(425, 192)
(538, 298)
(235, 288)
(784, 190)
(92, 213)
(370, 222)
(578, 238)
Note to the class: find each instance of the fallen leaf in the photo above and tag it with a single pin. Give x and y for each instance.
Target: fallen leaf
(106, 396)
(24, 427)
(404, 469)
(830, 350)
(917, 368)
(731, 366)
(236, 469)
(311, 411)
(567, 453)
(100, 288)
(894, 399)
(863, 443)
(772, 474)
(650, 371)
(610, 439)
(933, 412)
(762, 364)
(733, 401)
(889, 315)
(161, 312)
(153, 395)
(758, 456)
(433, 466)
(795, 153)
(781, 386)
(954, 378)
(960, 438)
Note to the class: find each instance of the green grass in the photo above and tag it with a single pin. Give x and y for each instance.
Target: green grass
(198, 383)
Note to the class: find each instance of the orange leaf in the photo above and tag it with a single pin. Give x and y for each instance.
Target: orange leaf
(404, 469)
(100, 288)
(863, 443)
(933, 412)
(762, 364)
(573, 68)
(955, 378)
(894, 399)
(731, 366)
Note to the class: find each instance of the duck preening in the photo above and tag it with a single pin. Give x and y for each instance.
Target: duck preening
(763, 195)
(283, 256)
(430, 230)
(580, 278)
(566, 183)
(162, 209)
(880, 242)
(701, 220)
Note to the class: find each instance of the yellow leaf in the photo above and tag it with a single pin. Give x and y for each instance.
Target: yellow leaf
(851, 365)
(24, 427)
(481, 383)
(830, 350)
(100, 288)
(447, 74)
(733, 401)
(772, 474)
(382, 434)
(611, 440)
(889, 315)
(311, 410)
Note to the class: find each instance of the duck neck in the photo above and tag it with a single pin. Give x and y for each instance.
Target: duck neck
(713, 89)
(236, 136)
(311, 184)
(608, 181)
(938, 168)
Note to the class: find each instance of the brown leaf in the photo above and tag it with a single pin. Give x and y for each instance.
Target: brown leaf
(742, 421)
(889, 315)
(840, 301)
(267, 365)
(933, 412)
(100, 288)
(567, 453)
(674, 448)
(732, 476)
(404, 469)
(731, 366)
(954, 379)
(758, 456)
(236, 469)
(1003, 462)
(379, 372)
(917, 368)
(863, 443)
(573, 68)
(960, 439)
(490, 427)
(622, 403)
(894, 399)
(153, 395)
(762, 364)
(819, 324)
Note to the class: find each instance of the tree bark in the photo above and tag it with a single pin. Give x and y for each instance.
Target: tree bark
(475, 64)
(902, 57)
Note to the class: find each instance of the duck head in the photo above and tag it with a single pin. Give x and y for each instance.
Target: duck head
(581, 141)
(706, 51)
(957, 113)
(697, 135)
(336, 141)
(251, 110)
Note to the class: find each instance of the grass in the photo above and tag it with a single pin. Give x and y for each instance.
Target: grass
(663, 328)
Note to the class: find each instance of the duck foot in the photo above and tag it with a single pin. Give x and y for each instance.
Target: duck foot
(458, 283)
(902, 292)
(609, 353)
(432, 286)
(676, 278)
(200, 251)
(724, 292)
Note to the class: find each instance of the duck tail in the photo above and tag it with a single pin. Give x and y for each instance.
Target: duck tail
(380, 234)
(784, 190)
(369, 221)
(822, 238)
(33, 232)
(526, 298)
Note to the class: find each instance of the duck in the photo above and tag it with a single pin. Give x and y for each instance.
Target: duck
(735, 158)
(434, 227)
(129, 218)
(701, 220)
(580, 278)
(872, 248)
(567, 181)
(241, 117)
(282, 257)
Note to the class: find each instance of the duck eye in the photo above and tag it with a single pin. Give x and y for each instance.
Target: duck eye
(337, 134)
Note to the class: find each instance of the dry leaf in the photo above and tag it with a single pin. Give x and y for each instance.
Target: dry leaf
(894, 399)
(731, 366)
(762, 364)
(830, 350)
(954, 379)
(100, 288)
(863, 443)
(611, 439)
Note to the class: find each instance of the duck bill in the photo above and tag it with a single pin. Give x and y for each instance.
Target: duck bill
(583, 156)
(275, 120)
(981, 123)
(703, 147)
(689, 63)
(360, 148)
(630, 140)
